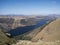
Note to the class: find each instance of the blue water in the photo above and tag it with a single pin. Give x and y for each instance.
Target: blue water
(22, 30)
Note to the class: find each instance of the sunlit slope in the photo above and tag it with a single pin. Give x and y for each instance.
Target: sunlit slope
(50, 33)
(25, 42)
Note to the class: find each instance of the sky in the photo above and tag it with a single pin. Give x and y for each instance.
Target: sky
(29, 7)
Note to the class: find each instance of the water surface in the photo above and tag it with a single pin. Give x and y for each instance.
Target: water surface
(22, 30)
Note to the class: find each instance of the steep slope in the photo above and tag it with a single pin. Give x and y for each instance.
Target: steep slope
(4, 40)
(50, 33)
(31, 34)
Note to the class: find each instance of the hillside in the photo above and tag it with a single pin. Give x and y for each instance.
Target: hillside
(31, 34)
(11, 22)
(4, 40)
(50, 33)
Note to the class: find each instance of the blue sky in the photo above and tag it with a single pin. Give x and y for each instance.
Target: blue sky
(29, 7)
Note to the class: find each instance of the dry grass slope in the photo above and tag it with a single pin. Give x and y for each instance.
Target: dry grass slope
(25, 42)
(50, 33)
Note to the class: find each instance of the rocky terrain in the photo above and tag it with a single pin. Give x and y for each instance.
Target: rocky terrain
(40, 42)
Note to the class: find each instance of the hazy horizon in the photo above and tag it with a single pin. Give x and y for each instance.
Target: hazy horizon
(29, 7)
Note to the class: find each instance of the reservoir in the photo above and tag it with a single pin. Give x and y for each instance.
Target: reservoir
(22, 30)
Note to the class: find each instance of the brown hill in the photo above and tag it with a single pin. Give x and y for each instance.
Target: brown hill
(50, 33)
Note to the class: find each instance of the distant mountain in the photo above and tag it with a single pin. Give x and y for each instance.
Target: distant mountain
(54, 15)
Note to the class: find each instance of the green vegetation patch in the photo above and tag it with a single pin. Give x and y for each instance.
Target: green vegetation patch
(4, 40)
